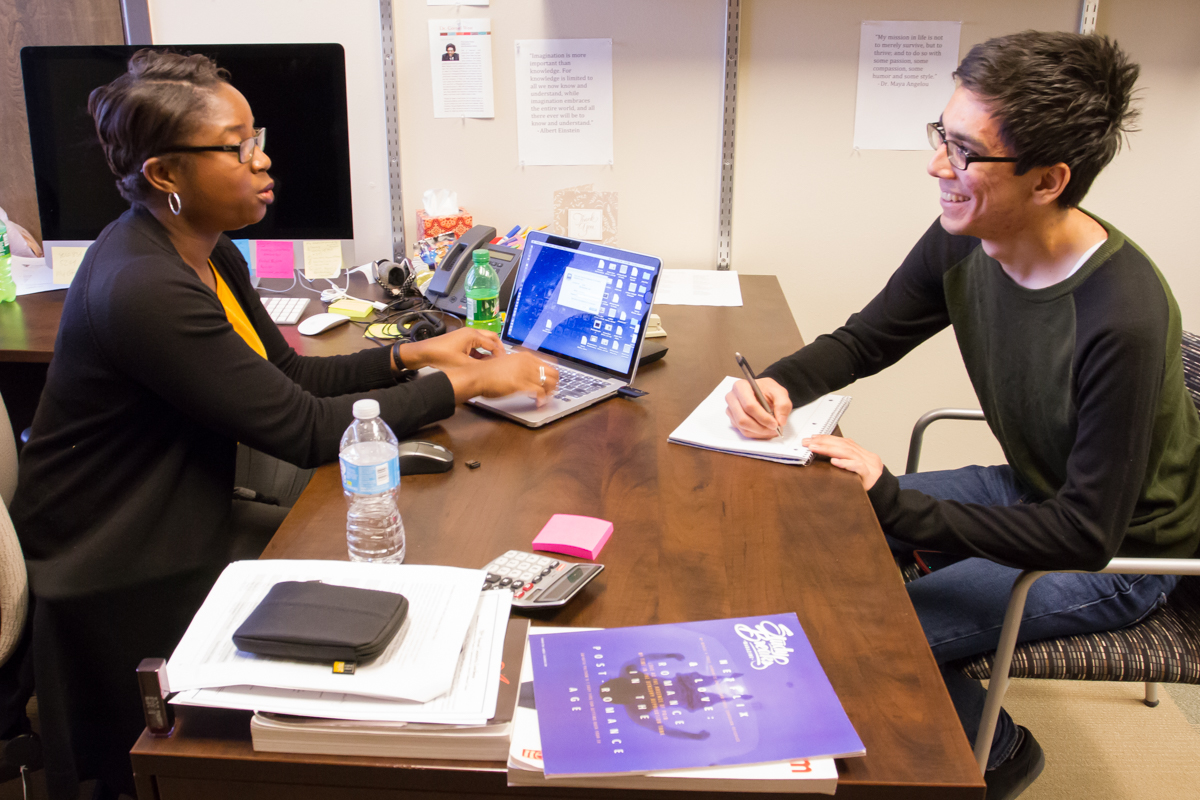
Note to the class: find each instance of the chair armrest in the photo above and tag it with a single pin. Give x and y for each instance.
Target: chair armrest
(929, 417)
(1152, 566)
(1002, 662)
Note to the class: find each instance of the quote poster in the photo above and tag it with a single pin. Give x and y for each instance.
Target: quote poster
(564, 102)
(905, 79)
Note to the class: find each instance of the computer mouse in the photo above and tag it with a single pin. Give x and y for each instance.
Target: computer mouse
(417, 458)
(319, 323)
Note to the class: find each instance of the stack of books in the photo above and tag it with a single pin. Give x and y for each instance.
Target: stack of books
(286, 733)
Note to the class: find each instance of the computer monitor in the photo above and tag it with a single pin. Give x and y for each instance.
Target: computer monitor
(297, 91)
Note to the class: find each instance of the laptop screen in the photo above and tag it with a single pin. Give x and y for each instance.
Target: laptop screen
(582, 301)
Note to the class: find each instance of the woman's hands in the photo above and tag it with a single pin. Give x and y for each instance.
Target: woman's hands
(504, 374)
(748, 415)
(472, 374)
(848, 455)
(454, 349)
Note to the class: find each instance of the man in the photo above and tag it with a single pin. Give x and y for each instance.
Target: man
(451, 53)
(1071, 338)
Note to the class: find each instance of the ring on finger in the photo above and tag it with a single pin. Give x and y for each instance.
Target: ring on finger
(542, 376)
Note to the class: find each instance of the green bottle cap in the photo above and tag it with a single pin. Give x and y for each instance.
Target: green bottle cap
(481, 257)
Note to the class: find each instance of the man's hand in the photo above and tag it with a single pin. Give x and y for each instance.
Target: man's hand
(502, 375)
(749, 417)
(453, 349)
(848, 455)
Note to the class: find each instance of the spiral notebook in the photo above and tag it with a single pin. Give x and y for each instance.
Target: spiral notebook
(709, 428)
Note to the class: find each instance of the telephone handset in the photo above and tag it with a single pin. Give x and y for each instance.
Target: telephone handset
(445, 289)
(453, 269)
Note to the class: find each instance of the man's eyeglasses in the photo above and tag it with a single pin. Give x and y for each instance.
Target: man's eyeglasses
(244, 148)
(959, 156)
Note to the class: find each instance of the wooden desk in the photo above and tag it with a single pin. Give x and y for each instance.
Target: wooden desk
(698, 535)
(29, 326)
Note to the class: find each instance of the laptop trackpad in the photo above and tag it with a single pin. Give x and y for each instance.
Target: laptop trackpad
(516, 403)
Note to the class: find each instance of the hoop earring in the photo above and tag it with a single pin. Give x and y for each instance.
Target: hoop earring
(174, 203)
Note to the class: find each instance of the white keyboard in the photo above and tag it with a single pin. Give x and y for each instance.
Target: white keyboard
(285, 310)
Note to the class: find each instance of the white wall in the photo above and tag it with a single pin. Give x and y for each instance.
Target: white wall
(352, 23)
(667, 75)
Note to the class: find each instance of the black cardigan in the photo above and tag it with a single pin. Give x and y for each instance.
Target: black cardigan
(129, 473)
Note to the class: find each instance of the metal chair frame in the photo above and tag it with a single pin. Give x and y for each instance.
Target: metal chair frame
(999, 682)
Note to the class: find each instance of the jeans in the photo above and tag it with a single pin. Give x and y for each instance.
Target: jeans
(961, 605)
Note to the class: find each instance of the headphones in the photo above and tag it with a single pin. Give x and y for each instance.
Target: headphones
(417, 326)
(397, 278)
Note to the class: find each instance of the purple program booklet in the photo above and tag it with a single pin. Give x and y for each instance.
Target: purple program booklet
(686, 695)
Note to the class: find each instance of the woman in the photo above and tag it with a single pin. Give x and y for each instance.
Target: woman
(165, 360)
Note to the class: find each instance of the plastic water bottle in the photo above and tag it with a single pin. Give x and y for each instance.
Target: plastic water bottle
(371, 480)
(483, 293)
(8, 289)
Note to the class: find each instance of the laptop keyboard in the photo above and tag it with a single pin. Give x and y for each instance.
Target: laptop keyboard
(572, 384)
(285, 310)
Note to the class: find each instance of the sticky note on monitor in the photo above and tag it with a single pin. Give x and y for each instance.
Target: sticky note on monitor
(275, 259)
(243, 246)
(573, 535)
(322, 259)
(66, 262)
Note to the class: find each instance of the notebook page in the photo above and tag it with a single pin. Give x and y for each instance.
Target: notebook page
(710, 428)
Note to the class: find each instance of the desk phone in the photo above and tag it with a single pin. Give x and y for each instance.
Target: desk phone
(538, 581)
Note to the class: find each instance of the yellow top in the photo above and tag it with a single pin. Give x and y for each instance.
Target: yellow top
(236, 316)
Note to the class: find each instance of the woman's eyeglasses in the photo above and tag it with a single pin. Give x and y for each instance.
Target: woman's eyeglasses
(244, 148)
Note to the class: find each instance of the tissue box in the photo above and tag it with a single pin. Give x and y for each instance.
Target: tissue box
(428, 226)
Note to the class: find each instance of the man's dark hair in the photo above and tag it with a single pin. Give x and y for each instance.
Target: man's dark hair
(1058, 97)
(152, 107)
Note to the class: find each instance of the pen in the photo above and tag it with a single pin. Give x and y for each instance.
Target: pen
(509, 235)
(758, 393)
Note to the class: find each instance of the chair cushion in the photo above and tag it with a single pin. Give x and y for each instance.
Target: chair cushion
(1163, 648)
(14, 588)
(1191, 365)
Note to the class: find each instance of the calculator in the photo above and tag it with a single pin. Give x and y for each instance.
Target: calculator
(538, 581)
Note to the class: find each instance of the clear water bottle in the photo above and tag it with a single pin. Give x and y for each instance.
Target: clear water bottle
(8, 289)
(371, 480)
(483, 293)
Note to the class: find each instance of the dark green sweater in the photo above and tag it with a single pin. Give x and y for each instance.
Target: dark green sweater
(1081, 382)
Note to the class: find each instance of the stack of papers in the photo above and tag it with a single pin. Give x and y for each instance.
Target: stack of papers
(280, 733)
(442, 669)
(698, 287)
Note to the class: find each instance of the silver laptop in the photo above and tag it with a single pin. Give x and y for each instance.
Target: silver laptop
(583, 307)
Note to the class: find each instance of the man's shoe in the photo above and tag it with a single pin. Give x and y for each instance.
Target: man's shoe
(1013, 776)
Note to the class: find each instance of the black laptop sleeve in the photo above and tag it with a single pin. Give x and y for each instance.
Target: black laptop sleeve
(314, 621)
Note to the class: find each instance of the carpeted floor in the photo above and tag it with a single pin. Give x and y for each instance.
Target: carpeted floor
(1101, 741)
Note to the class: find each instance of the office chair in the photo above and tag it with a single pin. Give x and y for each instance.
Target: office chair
(23, 752)
(1162, 648)
(265, 488)
(14, 585)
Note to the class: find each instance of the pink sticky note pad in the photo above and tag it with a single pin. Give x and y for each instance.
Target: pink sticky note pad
(275, 259)
(572, 535)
